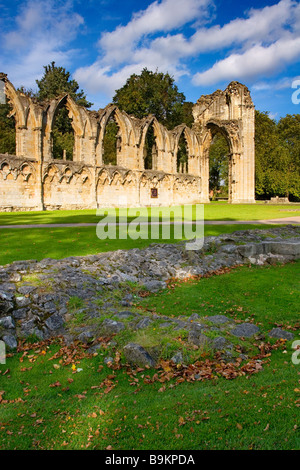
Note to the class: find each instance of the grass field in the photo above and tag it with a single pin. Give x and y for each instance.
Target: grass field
(212, 211)
(46, 404)
(39, 243)
(50, 242)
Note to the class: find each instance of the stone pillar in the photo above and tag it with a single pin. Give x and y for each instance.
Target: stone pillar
(204, 175)
(20, 141)
(39, 158)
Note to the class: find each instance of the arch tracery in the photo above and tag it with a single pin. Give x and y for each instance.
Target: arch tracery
(230, 112)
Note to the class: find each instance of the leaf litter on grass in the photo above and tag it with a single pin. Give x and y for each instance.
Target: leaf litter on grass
(166, 371)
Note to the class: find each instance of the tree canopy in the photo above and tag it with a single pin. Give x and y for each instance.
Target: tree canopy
(277, 156)
(277, 144)
(153, 93)
(7, 131)
(218, 165)
(55, 81)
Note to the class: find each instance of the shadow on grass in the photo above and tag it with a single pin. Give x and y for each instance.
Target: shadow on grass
(212, 211)
(58, 243)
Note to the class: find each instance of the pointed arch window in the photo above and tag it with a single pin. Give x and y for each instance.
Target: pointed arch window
(182, 159)
(7, 124)
(63, 139)
(150, 150)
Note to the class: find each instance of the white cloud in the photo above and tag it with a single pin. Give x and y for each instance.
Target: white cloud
(43, 29)
(159, 16)
(255, 62)
(261, 43)
(265, 24)
(167, 35)
(273, 115)
(124, 50)
(281, 84)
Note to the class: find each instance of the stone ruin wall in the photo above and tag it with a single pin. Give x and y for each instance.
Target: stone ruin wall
(33, 180)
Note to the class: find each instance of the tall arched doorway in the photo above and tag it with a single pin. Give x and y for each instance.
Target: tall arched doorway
(63, 140)
(150, 149)
(182, 157)
(219, 163)
(232, 113)
(7, 124)
(111, 144)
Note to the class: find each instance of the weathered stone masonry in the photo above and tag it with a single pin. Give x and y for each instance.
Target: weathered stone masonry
(33, 180)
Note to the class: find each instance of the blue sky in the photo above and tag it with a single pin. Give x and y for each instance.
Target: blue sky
(204, 44)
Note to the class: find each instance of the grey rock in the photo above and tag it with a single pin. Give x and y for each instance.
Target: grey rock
(180, 325)
(245, 330)
(198, 338)
(5, 307)
(244, 357)
(55, 322)
(7, 296)
(194, 317)
(10, 341)
(219, 343)
(154, 286)
(43, 299)
(22, 302)
(108, 360)
(128, 297)
(195, 326)
(63, 311)
(125, 314)
(227, 355)
(228, 249)
(250, 250)
(26, 290)
(93, 349)
(144, 323)
(218, 319)
(137, 355)
(111, 326)
(86, 336)
(8, 286)
(284, 247)
(167, 324)
(7, 322)
(281, 334)
(15, 277)
(151, 266)
(20, 313)
(50, 307)
(177, 358)
(28, 327)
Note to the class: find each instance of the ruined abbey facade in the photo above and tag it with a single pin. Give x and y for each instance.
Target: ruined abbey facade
(33, 180)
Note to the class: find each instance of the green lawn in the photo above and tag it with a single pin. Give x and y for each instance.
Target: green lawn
(44, 404)
(39, 243)
(213, 211)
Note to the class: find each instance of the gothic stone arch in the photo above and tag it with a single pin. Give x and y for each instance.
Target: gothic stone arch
(231, 112)
(66, 184)
(84, 127)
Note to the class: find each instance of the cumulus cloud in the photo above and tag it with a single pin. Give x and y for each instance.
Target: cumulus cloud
(169, 35)
(280, 84)
(262, 25)
(262, 42)
(165, 16)
(124, 51)
(255, 62)
(42, 31)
